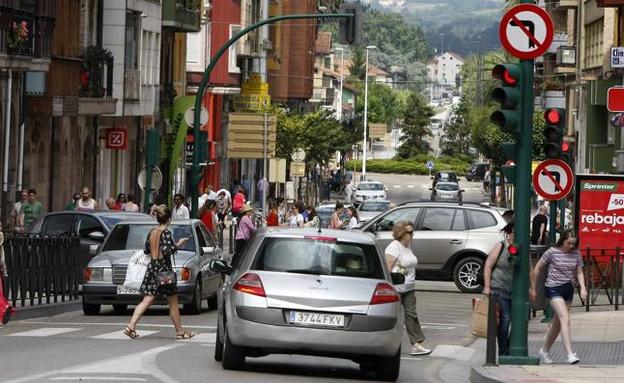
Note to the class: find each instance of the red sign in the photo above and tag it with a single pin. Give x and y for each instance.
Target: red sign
(600, 211)
(526, 31)
(615, 99)
(117, 138)
(553, 179)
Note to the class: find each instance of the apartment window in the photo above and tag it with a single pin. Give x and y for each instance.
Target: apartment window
(594, 36)
(145, 58)
(156, 59)
(327, 62)
(232, 56)
(132, 40)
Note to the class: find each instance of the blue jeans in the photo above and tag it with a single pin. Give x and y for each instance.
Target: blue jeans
(504, 321)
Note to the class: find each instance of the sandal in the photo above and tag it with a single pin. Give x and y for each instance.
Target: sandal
(130, 333)
(186, 334)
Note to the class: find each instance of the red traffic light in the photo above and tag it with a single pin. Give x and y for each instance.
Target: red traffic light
(552, 116)
(513, 250)
(509, 74)
(508, 79)
(565, 146)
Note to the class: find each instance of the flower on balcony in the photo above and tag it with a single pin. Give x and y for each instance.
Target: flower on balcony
(94, 62)
(18, 35)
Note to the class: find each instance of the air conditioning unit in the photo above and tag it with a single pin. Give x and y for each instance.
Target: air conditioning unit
(566, 56)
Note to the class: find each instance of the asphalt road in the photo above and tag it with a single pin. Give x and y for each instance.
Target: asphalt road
(74, 347)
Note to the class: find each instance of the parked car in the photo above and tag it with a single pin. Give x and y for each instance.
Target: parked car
(451, 241)
(476, 171)
(372, 208)
(91, 227)
(295, 291)
(369, 190)
(446, 191)
(106, 273)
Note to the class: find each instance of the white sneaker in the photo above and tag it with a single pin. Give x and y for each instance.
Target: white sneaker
(573, 359)
(418, 349)
(545, 356)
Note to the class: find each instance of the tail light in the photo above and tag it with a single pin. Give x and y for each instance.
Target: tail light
(384, 293)
(86, 274)
(251, 284)
(183, 273)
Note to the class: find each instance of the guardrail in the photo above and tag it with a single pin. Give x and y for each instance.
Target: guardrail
(603, 274)
(41, 269)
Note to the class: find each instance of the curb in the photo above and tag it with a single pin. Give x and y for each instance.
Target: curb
(478, 374)
(46, 310)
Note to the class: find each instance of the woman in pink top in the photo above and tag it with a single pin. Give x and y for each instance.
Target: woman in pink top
(244, 231)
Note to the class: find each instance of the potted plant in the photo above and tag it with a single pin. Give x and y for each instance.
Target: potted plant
(18, 36)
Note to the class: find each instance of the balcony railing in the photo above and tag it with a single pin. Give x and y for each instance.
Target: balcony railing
(180, 16)
(96, 74)
(25, 33)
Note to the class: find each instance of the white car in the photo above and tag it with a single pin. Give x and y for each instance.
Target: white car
(369, 190)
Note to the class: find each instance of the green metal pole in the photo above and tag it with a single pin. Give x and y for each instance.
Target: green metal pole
(206, 77)
(518, 350)
(552, 223)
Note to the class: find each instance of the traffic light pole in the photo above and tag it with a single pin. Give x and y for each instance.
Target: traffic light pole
(518, 350)
(195, 168)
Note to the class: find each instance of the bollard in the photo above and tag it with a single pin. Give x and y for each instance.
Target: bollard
(492, 326)
(231, 251)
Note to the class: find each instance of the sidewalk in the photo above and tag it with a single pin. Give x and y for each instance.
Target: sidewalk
(597, 338)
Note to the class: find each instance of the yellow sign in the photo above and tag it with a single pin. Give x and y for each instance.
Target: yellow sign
(254, 94)
(297, 169)
(246, 135)
(377, 130)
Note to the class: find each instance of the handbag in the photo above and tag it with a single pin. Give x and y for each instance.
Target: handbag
(479, 317)
(6, 310)
(137, 267)
(168, 277)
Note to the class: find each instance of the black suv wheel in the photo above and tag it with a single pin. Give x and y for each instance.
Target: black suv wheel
(465, 274)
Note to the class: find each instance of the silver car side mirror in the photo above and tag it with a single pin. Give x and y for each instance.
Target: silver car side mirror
(208, 250)
(93, 249)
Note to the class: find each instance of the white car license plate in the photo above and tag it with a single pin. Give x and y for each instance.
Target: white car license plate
(316, 319)
(123, 290)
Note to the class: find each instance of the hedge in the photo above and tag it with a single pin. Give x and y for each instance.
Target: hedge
(414, 165)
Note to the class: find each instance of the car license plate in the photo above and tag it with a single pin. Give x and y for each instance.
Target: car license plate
(123, 290)
(316, 319)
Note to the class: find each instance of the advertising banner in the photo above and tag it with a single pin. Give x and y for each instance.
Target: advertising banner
(600, 211)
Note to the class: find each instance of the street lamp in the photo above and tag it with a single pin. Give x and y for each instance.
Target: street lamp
(365, 113)
(339, 112)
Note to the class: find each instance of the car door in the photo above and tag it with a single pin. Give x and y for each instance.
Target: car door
(441, 232)
(382, 226)
(87, 227)
(484, 230)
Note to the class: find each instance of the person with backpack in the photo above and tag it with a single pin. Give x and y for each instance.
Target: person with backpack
(497, 284)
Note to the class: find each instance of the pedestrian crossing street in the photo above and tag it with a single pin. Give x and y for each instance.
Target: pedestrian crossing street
(98, 332)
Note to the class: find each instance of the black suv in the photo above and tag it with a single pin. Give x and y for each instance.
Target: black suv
(476, 171)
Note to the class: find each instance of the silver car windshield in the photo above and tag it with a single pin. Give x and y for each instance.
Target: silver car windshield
(374, 206)
(133, 237)
(319, 257)
(370, 187)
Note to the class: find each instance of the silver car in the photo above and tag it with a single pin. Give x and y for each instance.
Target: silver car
(451, 241)
(369, 190)
(371, 209)
(446, 192)
(298, 291)
(106, 273)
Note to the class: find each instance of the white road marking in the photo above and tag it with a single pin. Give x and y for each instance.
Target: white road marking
(122, 325)
(446, 324)
(205, 337)
(410, 186)
(410, 358)
(437, 327)
(397, 186)
(453, 352)
(46, 331)
(98, 378)
(120, 335)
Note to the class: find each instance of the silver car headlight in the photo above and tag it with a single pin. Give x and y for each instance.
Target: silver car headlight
(98, 274)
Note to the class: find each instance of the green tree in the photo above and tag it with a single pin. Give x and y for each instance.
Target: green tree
(358, 64)
(290, 127)
(416, 127)
(383, 104)
(456, 138)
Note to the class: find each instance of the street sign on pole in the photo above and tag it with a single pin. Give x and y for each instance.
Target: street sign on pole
(526, 31)
(429, 165)
(617, 57)
(615, 99)
(553, 179)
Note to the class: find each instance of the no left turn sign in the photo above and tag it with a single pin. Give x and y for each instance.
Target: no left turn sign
(526, 31)
(553, 179)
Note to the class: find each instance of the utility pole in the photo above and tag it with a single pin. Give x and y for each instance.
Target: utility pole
(339, 111)
(365, 114)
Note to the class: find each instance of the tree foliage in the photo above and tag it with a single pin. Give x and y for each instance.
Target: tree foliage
(456, 138)
(415, 127)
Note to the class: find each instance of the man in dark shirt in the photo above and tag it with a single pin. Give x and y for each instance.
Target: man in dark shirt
(538, 226)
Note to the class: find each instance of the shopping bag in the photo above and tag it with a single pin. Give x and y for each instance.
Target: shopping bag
(479, 317)
(137, 266)
(6, 310)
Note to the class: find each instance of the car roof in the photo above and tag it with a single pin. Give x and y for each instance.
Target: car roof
(340, 235)
(472, 205)
(173, 222)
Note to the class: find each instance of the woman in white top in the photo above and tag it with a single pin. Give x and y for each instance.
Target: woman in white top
(130, 205)
(354, 220)
(296, 218)
(400, 259)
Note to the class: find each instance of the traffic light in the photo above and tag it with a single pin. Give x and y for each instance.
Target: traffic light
(508, 118)
(553, 132)
(567, 151)
(350, 28)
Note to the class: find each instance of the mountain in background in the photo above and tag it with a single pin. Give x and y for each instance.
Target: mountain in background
(460, 26)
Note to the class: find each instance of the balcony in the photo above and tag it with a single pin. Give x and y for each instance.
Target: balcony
(96, 83)
(180, 15)
(26, 37)
(564, 4)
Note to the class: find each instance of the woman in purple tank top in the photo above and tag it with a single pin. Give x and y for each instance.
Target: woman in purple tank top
(565, 269)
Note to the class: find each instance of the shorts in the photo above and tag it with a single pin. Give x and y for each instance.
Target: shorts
(565, 291)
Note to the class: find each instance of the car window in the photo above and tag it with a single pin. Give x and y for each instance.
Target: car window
(57, 224)
(209, 239)
(85, 224)
(183, 231)
(319, 257)
(370, 187)
(127, 237)
(459, 221)
(200, 237)
(387, 221)
(479, 219)
(374, 206)
(447, 187)
(438, 219)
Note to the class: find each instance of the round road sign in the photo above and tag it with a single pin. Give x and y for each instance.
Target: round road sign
(553, 179)
(429, 165)
(526, 31)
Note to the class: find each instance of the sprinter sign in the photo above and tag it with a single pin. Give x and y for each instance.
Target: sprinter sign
(600, 211)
